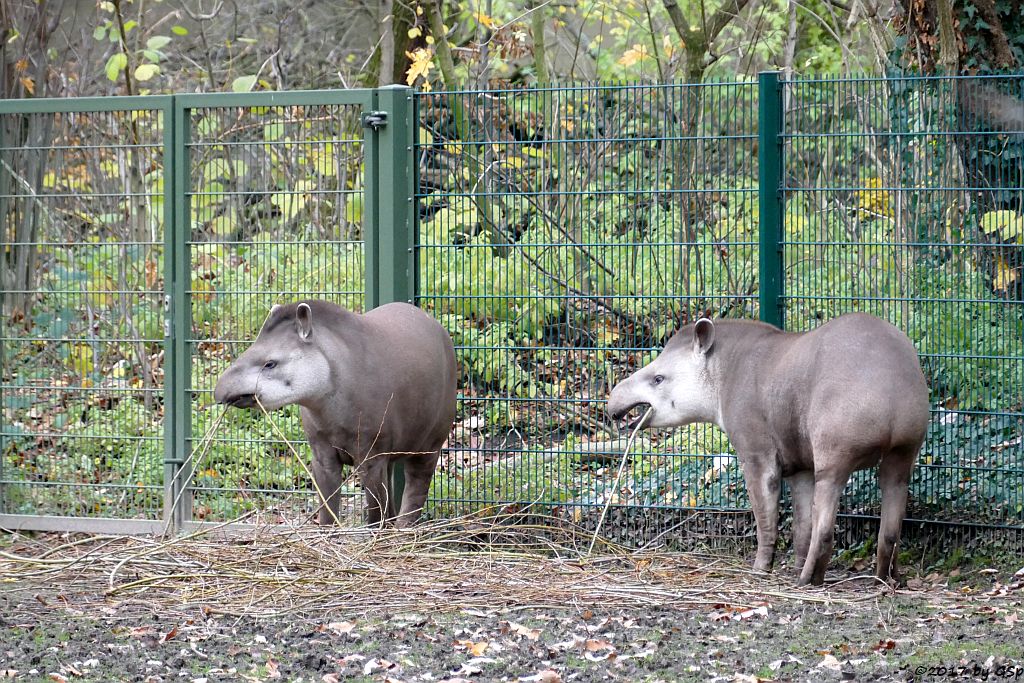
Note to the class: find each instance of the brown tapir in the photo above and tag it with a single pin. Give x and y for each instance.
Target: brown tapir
(373, 388)
(807, 407)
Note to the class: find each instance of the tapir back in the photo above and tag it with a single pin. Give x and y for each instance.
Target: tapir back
(855, 380)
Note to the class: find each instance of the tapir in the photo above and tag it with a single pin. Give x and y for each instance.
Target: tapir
(808, 407)
(373, 388)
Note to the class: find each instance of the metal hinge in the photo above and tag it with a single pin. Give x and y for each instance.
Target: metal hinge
(374, 119)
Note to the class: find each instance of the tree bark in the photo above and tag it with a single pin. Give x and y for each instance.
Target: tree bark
(443, 49)
(538, 15)
(386, 71)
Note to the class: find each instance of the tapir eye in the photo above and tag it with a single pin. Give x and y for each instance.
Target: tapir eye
(658, 379)
(270, 365)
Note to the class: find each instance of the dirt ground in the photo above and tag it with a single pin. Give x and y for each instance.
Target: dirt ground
(113, 610)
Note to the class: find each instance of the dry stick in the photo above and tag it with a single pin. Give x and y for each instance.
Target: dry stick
(280, 435)
(194, 466)
(618, 476)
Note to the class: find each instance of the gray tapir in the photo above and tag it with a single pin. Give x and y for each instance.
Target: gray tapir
(373, 388)
(807, 407)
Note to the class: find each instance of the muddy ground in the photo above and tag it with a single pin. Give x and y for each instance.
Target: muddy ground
(937, 628)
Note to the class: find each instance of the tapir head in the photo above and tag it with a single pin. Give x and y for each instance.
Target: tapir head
(286, 364)
(678, 386)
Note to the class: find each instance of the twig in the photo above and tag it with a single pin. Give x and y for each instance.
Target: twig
(618, 476)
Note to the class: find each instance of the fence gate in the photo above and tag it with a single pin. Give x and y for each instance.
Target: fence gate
(145, 241)
(83, 200)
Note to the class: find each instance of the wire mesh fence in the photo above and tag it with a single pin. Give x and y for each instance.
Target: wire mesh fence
(81, 201)
(275, 209)
(562, 235)
(905, 199)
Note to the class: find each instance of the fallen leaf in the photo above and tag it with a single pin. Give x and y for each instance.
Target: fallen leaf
(545, 676)
(595, 645)
(344, 628)
(526, 632)
(830, 662)
(57, 677)
(170, 634)
(475, 649)
(375, 664)
(8, 673)
(330, 678)
(273, 670)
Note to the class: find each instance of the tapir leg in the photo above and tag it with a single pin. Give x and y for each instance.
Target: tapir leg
(373, 473)
(419, 470)
(328, 475)
(828, 486)
(893, 478)
(764, 483)
(801, 485)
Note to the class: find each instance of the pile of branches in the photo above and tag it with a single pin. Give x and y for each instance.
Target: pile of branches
(481, 563)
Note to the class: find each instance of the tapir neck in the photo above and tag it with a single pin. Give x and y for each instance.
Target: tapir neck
(733, 370)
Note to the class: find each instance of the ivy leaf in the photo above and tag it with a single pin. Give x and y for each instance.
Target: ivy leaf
(243, 83)
(116, 64)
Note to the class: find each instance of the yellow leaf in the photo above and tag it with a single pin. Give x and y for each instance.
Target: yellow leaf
(666, 45)
(475, 649)
(415, 32)
(420, 64)
(81, 359)
(28, 84)
(484, 19)
(1009, 225)
(633, 55)
(874, 199)
(1005, 275)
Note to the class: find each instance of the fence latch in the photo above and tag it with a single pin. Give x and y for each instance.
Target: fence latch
(374, 119)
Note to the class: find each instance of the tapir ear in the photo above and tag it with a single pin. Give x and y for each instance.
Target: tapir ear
(304, 318)
(703, 335)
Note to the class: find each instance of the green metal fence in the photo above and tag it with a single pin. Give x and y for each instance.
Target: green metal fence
(904, 198)
(82, 202)
(273, 208)
(564, 234)
(559, 234)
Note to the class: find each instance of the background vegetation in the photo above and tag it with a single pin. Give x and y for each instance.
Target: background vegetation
(564, 234)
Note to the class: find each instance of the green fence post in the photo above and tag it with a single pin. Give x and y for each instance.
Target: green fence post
(395, 207)
(391, 130)
(177, 357)
(770, 197)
